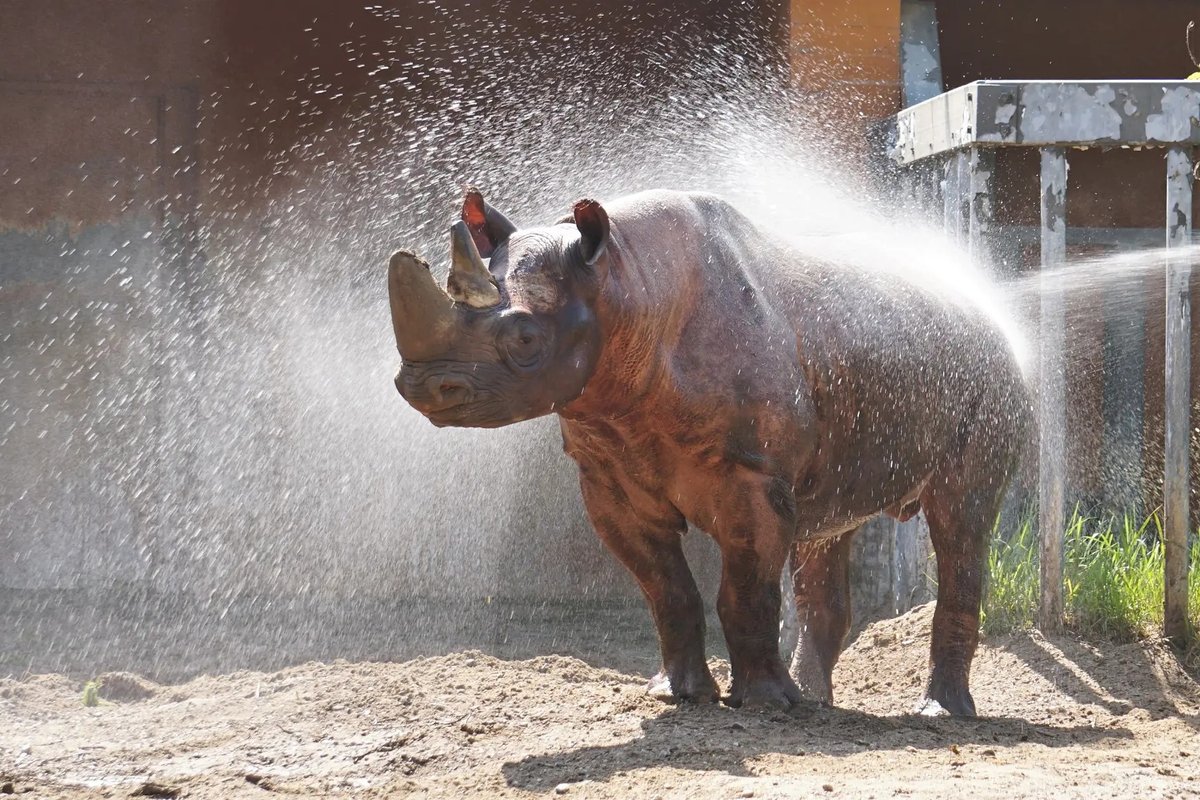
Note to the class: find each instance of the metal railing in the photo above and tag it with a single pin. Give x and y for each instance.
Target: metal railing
(961, 130)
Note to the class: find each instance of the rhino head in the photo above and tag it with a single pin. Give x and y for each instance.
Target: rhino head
(507, 340)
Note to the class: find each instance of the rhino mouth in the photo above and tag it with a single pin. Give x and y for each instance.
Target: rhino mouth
(478, 413)
(452, 397)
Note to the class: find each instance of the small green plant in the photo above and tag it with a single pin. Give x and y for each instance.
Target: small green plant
(1011, 591)
(1112, 579)
(91, 693)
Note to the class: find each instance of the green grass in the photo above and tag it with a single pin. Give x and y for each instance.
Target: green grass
(91, 694)
(1010, 592)
(1112, 580)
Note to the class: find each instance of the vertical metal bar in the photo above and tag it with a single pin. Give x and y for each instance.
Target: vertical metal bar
(981, 166)
(920, 52)
(962, 163)
(950, 197)
(925, 177)
(913, 548)
(911, 181)
(1178, 394)
(1052, 416)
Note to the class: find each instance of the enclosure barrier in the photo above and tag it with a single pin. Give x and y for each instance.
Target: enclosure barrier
(961, 130)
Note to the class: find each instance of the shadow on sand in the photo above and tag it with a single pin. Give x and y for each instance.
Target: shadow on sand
(1116, 677)
(708, 738)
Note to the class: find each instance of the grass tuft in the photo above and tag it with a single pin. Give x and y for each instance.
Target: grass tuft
(1112, 581)
(91, 693)
(1010, 596)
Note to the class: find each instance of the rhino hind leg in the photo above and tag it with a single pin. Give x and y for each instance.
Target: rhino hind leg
(961, 504)
(960, 543)
(749, 614)
(755, 532)
(821, 583)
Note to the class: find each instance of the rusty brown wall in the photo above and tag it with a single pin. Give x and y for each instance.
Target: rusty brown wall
(264, 75)
(87, 90)
(846, 61)
(148, 144)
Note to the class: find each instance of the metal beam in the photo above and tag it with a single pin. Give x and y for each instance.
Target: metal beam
(955, 192)
(920, 52)
(950, 197)
(1050, 113)
(1052, 461)
(1178, 389)
(981, 166)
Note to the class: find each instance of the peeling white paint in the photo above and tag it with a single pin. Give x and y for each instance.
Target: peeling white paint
(1007, 132)
(966, 131)
(1180, 111)
(1130, 114)
(1062, 112)
(903, 149)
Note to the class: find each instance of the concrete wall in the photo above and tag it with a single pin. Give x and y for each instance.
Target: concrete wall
(195, 373)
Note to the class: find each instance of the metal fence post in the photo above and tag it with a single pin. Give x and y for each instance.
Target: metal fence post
(950, 193)
(1052, 417)
(955, 196)
(1178, 395)
(981, 166)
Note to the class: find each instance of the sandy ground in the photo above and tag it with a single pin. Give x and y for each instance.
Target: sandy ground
(1063, 719)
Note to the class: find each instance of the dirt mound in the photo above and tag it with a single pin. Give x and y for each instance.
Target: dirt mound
(1023, 675)
(1063, 718)
(125, 687)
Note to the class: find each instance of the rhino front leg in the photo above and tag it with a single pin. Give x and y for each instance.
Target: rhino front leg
(754, 533)
(821, 582)
(649, 543)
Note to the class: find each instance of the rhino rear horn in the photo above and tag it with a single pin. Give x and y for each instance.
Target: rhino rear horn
(422, 315)
(469, 281)
(489, 228)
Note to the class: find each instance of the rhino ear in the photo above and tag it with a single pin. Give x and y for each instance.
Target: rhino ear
(489, 228)
(592, 221)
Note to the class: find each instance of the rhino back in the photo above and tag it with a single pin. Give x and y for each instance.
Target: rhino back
(731, 300)
(851, 382)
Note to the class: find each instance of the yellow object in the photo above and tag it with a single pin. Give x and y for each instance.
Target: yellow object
(1195, 76)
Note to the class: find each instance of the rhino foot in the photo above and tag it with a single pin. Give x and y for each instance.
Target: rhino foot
(814, 681)
(696, 686)
(774, 690)
(940, 701)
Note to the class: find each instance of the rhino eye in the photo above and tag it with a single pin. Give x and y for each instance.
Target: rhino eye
(521, 342)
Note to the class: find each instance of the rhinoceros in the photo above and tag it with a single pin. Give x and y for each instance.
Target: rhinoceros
(706, 372)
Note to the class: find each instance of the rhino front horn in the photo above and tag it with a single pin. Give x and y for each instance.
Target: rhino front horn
(422, 315)
(469, 281)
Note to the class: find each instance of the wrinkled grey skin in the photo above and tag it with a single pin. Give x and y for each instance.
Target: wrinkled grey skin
(705, 372)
